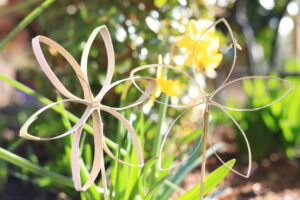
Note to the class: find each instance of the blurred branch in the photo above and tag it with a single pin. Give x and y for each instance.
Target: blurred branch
(274, 47)
(30, 17)
(242, 19)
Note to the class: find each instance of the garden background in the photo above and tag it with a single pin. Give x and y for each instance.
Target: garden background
(268, 32)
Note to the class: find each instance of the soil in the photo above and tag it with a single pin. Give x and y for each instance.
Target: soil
(273, 178)
(279, 179)
(276, 180)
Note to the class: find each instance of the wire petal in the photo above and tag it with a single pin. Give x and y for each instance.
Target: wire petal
(110, 56)
(50, 74)
(177, 73)
(286, 86)
(166, 136)
(132, 134)
(24, 129)
(98, 155)
(247, 144)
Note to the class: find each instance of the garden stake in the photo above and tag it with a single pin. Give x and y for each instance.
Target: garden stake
(205, 139)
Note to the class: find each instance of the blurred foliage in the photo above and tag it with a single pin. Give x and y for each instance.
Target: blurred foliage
(140, 31)
(276, 124)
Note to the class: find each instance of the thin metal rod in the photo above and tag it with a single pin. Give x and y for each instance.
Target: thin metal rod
(205, 137)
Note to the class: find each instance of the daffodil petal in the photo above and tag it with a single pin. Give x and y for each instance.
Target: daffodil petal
(192, 29)
(171, 87)
(185, 42)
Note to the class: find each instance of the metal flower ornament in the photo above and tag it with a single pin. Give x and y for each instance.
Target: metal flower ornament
(203, 54)
(93, 104)
(208, 99)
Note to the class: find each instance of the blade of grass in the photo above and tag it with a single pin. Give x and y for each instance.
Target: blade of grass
(142, 179)
(46, 101)
(132, 190)
(42, 182)
(23, 163)
(174, 186)
(29, 18)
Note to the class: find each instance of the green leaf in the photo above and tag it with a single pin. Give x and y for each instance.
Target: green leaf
(142, 179)
(134, 172)
(156, 186)
(210, 181)
(26, 164)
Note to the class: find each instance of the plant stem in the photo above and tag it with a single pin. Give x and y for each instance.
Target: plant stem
(29, 18)
(205, 132)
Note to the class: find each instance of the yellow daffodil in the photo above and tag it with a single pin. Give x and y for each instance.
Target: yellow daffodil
(169, 87)
(207, 56)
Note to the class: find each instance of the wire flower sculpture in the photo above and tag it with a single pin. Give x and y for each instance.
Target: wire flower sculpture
(93, 104)
(208, 101)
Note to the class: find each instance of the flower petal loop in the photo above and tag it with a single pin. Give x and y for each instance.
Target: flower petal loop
(284, 87)
(246, 141)
(24, 129)
(149, 89)
(50, 74)
(165, 86)
(133, 135)
(184, 155)
(212, 57)
(98, 155)
(110, 56)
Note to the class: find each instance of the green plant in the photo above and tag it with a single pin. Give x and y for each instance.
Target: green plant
(52, 171)
(277, 124)
(137, 178)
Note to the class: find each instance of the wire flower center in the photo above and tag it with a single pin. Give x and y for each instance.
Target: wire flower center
(96, 104)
